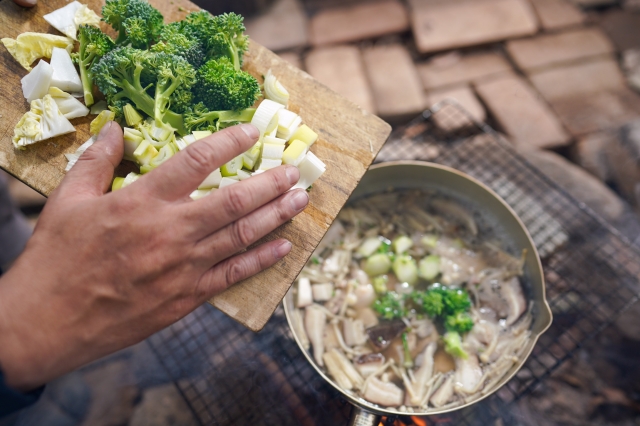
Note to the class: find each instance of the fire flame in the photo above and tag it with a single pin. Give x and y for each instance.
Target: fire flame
(413, 421)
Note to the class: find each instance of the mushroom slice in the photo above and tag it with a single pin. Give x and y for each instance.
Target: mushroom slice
(304, 292)
(353, 331)
(298, 328)
(382, 334)
(369, 364)
(383, 393)
(444, 393)
(512, 293)
(468, 376)
(322, 292)
(423, 375)
(342, 371)
(314, 322)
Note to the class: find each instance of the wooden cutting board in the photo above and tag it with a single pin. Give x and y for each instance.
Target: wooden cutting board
(349, 139)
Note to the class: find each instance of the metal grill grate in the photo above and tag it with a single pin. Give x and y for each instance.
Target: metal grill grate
(229, 375)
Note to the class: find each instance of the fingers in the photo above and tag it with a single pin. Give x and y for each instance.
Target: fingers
(211, 213)
(242, 266)
(92, 174)
(183, 172)
(25, 3)
(250, 228)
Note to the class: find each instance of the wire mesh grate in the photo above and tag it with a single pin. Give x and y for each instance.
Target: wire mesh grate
(229, 375)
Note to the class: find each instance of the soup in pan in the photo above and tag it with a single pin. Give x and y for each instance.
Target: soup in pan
(409, 303)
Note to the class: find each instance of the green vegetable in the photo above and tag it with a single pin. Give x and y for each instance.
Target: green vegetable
(137, 22)
(380, 284)
(222, 87)
(369, 246)
(221, 36)
(94, 44)
(180, 39)
(401, 244)
(377, 264)
(429, 267)
(453, 344)
(405, 269)
(431, 302)
(119, 75)
(389, 306)
(429, 241)
(460, 322)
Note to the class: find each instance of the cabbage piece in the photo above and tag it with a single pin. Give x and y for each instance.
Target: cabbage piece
(65, 77)
(36, 84)
(69, 106)
(43, 121)
(62, 19)
(28, 47)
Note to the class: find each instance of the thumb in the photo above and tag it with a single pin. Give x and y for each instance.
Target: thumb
(92, 174)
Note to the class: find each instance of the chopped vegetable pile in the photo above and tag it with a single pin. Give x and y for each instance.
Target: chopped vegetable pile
(168, 84)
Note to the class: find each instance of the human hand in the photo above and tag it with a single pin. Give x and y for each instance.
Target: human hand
(105, 270)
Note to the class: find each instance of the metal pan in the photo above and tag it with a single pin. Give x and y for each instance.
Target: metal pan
(492, 209)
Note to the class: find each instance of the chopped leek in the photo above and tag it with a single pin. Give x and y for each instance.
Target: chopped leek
(429, 267)
(311, 168)
(288, 123)
(225, 181)
(305, 134)
(380, 284)
(295, 152)
(117, 183)
(405, 269)
(231, 168)
(268, 164)
(252, 155)
(378, 264)
(273, 140)
(369, 246)
(429, 241)
(274, 90)
(144, 153)
(242, 174)
(200, 193)
(401, 244)
(266, 116)
(98, 107)
(201, 134)
(211, 181)
(272, 151)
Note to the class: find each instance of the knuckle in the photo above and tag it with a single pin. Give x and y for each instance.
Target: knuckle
(235, 272)
(200, 157)
(236, 201)
(243, 233)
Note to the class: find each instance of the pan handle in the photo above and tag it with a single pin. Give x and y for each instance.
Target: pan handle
(362, 417)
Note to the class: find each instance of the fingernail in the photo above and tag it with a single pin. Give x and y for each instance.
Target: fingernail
(299, 200)
(293, 174)
(282, 249)
(105, 129)
(251, 131)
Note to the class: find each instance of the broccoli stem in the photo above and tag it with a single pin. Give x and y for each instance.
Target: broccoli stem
(87, 81)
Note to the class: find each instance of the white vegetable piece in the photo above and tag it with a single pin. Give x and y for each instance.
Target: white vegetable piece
(36, 84)
(268, 164)
(212, 181)
(225, 181)
(43, 121)
(288, 123)
(266, 116)
(98, 107)
(63, 19)
(274, 90)
(84, 15)
(315, 320)
(200, 193)
(69, 106)
(65, 77)
(272, 151)
(73, 158)
(322, 292)
(243, 175)
(304, 292)
(274, 141)
(311, 168)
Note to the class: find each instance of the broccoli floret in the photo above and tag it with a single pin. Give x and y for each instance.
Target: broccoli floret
(179, 39)
(456, 300)
(121, 72)
(390, 306)
(94, 44)
(221, 87)
(460, 322)
(200, 118)
(221, 36)
(137, 22)
(430, 301)
(453, 344)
